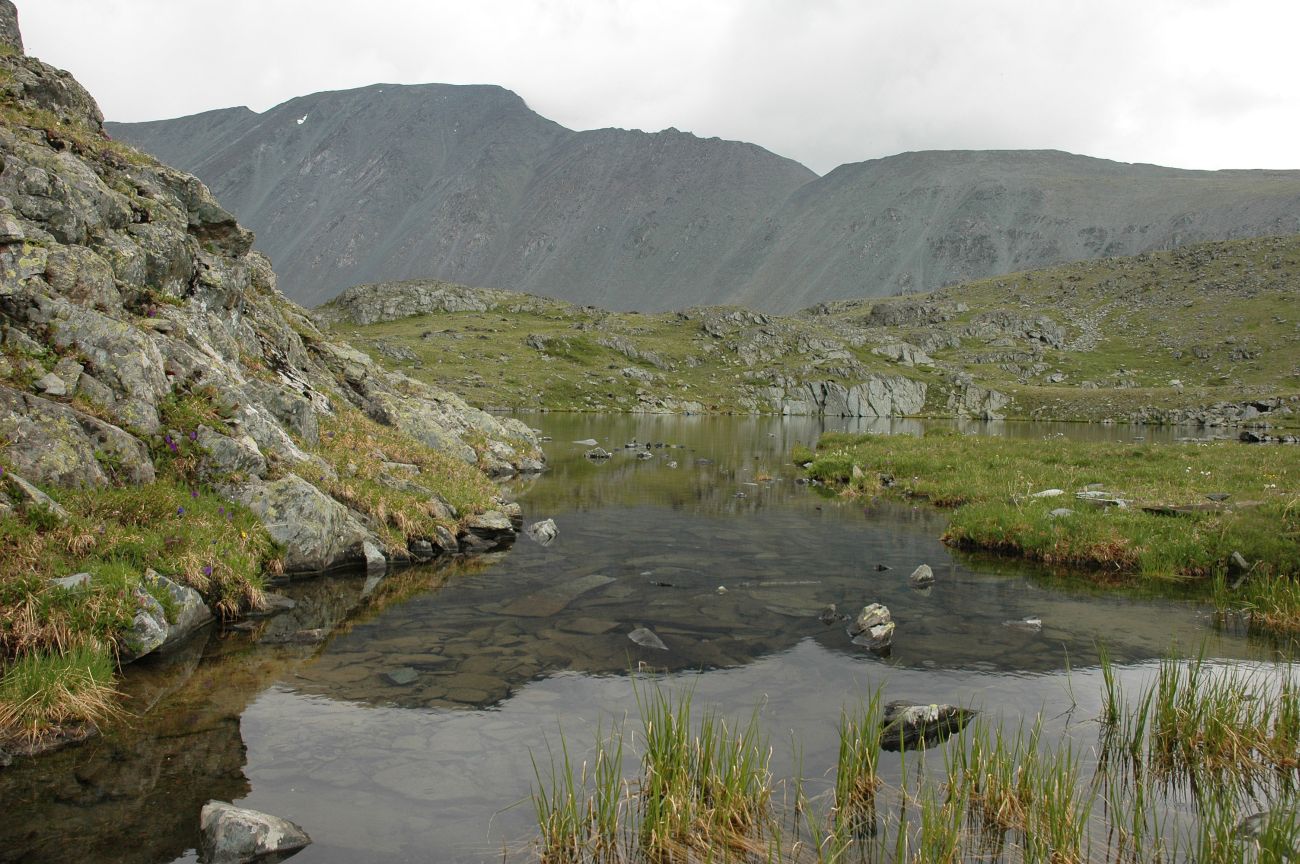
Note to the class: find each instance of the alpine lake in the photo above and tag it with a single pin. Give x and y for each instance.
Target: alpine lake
(402, 719)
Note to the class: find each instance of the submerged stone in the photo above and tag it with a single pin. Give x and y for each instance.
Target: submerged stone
(646, 638)
(911, 726)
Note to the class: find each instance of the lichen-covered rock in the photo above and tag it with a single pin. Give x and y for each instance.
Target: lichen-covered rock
(236, 835)
(225, 455)
(970, 400)
(317, 532)
(55, 444)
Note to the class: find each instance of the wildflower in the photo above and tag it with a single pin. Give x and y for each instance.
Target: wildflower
(221, 511)
(194, 493)
(180, 511)
(194, 436)
(207, 570)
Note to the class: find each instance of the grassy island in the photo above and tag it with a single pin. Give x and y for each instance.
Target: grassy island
(1220, 514)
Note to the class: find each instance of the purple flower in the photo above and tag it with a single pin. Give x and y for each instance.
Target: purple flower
(180, 511)
(207, 570)
(194, 493)
(194, 436)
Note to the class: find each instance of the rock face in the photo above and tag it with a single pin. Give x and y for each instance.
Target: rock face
(125, 286)
(10, 36)
(466, 184)
(234, 835)
(878, 396)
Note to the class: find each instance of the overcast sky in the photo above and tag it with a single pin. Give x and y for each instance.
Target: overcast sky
(1185, 83)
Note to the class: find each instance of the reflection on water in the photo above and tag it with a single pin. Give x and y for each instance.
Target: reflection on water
(406, 734)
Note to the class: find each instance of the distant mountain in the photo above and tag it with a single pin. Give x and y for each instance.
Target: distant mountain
(467, 184)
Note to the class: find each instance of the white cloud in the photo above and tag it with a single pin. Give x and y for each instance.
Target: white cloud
(1191, 83)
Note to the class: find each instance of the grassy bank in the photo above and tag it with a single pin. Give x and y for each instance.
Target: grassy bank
(1168, 527)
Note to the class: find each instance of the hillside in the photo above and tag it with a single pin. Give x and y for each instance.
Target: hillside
(1205, 334)
(174, 432)
(467, 184)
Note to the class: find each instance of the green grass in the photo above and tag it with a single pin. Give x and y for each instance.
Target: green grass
(45, 690)
(991, 483)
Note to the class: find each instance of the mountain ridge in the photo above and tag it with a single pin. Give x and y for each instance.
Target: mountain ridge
(466, 183)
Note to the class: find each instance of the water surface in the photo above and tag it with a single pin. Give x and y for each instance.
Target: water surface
(408, 733)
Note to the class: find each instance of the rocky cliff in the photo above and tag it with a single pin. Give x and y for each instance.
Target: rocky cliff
(140, 330)
(466, 184)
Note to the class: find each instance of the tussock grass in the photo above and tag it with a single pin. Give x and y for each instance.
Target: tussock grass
(42, 691)
(990, 483)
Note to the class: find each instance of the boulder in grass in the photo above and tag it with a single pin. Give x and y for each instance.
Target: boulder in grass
(235, 835)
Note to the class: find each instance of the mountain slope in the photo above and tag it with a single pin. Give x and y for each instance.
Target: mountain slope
(390, 182)
(467, 184)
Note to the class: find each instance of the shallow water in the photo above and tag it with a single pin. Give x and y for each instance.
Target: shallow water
(408, 734)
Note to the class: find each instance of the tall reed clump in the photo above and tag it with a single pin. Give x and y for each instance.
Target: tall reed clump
(856, 772)
(580, 808)
(703, 790)
(1202, 723)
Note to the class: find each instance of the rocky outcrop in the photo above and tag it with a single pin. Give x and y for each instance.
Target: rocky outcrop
(126, 289)
(878, 396)
(966, 399)
(390, 301)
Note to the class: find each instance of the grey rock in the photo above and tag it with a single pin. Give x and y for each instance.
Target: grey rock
(53, 443)
(597, 454)
(921, 577)
(1031, 624)
(543, 532)
(10, 36)
(1276, 830)
(227, 456)
(29, 496)
(317, 532)
(188, 611)
(74, 581)
(235, 835)
(911, 726)
(376, 563)
(587, 442)
(402, 676)
(148, 627)
(873, 628)
(52, 385)
(1061, 513)
(646, 638)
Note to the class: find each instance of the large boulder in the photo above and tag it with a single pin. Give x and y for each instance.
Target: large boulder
(236, 835)
(317, 532)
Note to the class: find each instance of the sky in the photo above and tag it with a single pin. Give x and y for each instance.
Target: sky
(1183, 83)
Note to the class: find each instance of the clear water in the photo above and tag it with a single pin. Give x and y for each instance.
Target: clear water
(711, 543)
